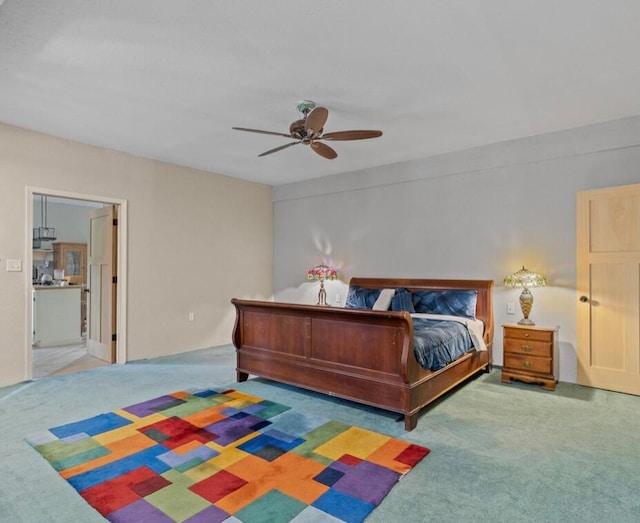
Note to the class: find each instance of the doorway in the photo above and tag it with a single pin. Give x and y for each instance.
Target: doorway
(71, 357)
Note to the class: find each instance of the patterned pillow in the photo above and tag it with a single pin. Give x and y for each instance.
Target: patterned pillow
(402, 301)
(360, 298)
(453, 302)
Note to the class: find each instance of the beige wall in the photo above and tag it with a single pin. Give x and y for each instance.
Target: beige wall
(195, 240)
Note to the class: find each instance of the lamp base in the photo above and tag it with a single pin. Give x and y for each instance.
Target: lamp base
(526, 302)
(322, 294)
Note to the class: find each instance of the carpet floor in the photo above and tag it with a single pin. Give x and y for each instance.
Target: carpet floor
(499, 452)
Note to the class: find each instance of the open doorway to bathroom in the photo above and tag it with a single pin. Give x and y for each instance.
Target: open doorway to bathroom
(60, 283)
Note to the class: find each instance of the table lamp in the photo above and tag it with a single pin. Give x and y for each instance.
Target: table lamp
(322, 272)
(525, 278)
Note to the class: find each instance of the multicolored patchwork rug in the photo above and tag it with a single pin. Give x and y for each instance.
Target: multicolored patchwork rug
(212, 456)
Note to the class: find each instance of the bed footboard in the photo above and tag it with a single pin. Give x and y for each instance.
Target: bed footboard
(360, 355)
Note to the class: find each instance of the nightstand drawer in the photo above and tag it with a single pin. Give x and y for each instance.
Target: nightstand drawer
(528, 347)
(527, 363)
(528, 334)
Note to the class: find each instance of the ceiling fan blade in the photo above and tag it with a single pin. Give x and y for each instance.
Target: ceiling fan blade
(261, 132)
(351, 135)
(315, 120)
(275, 150)
(324, 150)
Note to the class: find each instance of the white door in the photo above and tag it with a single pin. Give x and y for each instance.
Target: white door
(102, 283)
(608, 271)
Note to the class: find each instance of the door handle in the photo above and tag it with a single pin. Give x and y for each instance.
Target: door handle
(584, 299)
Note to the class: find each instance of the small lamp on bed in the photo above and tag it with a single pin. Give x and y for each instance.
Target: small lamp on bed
(525, 278)
(322, 272)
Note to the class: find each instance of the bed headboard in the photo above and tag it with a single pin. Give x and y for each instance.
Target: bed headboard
(484, 304)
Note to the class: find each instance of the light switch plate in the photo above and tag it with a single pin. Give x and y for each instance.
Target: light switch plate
(14, 265)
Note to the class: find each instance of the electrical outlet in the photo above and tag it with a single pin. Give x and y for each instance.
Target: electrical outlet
(511, 308)
(192, 316)
(14, 265)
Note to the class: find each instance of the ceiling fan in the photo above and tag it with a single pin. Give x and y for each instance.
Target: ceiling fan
(308, 130)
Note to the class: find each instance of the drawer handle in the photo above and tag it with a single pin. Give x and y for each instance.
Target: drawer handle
(527, 364)
(526, 348)
(526, 334)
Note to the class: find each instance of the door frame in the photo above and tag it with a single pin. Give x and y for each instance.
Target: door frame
(121, 301)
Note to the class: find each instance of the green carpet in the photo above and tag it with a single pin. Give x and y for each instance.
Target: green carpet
(499, 452)
(215, 456)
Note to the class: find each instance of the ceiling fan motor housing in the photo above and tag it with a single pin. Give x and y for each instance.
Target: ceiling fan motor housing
(297, 130)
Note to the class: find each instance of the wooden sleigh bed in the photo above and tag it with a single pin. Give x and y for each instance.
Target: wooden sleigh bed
(361, 355)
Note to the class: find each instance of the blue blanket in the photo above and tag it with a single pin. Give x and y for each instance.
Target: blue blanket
(439, 342)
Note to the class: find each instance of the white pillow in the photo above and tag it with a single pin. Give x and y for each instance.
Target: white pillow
(384, 300)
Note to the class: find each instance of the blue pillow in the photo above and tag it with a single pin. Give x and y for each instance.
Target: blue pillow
(402, 301)
(451, 302)
(360, 298)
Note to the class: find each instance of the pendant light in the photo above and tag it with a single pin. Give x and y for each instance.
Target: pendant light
(44, 232)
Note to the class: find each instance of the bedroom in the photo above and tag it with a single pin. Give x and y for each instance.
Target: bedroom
(508, 201)
(264, 236)
(546, 242)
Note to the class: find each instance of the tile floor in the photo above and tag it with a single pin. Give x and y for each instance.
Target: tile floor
(49, 361)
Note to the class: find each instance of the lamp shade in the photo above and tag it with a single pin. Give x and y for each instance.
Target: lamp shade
(525, 278)
(322, 272)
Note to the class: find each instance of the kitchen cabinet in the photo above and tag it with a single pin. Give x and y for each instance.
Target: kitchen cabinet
(56, 315)
(72, 259)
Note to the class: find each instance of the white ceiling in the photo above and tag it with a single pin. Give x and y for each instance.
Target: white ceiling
(168, 79)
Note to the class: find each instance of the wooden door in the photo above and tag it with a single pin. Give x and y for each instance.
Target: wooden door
(608, 272)
(102, 283)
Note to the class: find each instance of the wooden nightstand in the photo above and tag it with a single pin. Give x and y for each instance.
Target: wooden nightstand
(530, 354)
